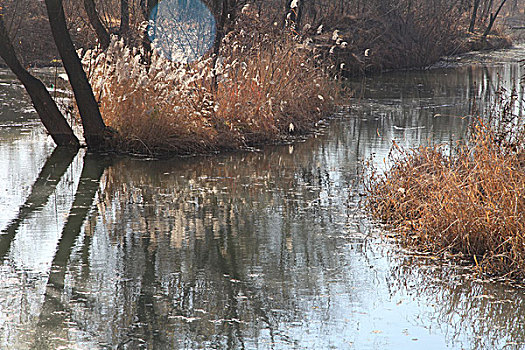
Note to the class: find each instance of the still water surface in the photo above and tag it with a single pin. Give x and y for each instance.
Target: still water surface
(247, 250)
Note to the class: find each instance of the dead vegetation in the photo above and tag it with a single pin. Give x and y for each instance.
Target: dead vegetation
(470, 200)
(264, 87)
(380, 35)
(394, 37)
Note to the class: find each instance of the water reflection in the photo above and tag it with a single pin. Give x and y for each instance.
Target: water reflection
(483, 314)
(244, 250)
(53, 320)
(218, 252)
(44, 186)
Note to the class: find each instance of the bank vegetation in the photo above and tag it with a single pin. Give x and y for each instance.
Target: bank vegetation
(266, 88)
(469, 200)
(268, 73)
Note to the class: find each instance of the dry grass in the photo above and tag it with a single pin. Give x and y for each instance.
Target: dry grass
(471, 202)
(264, 88)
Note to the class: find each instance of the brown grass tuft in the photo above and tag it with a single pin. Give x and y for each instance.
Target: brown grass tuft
(472, 201)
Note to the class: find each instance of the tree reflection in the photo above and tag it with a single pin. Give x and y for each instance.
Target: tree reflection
(44, 186)
(207, 253)
(52, 323)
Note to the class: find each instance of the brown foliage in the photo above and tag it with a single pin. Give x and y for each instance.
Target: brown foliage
(472, 201)
(264, 88)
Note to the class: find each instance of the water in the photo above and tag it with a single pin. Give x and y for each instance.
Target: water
(247, 250)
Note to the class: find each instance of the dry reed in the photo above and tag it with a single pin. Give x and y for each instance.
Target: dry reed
(262, 87)
(470, 201)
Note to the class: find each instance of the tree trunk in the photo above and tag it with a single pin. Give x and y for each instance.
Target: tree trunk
(493, 18)
(222, 9)
(47, 110)
(221, 25)
(94, 127)
(474, 15)
(146, 42)
(124, 17)
(94, 20)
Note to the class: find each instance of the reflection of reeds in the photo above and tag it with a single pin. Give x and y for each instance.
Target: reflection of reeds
(486, 314)
(471, 202)
(265, 90)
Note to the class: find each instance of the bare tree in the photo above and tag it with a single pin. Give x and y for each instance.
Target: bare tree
(493, 17)
(294, 12)
(124, 17)
(94, 127)
(101, 31)
(47, 110)
(147, 7)
(474, 15)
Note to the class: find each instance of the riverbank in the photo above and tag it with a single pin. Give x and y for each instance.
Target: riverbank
(356, 51)
(364, 58)
(366, 39)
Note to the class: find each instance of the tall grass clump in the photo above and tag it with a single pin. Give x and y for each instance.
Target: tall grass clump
(469, 201)
(262, 87)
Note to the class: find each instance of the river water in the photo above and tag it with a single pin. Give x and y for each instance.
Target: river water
(246, 250)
